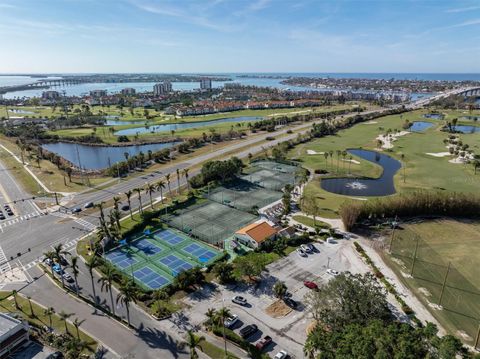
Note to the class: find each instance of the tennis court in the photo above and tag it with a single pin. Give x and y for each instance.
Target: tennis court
(122, 258)
(269, 179)
(209, 221)
(275, 166)
(155, 259)
(243, 195)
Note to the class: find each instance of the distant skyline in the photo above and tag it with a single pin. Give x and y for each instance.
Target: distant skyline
(74, 36)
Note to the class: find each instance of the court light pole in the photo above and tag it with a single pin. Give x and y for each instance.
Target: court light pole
(223, 326)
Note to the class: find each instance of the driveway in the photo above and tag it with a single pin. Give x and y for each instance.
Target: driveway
(288, 332)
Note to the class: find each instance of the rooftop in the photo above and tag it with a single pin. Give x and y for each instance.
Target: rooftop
(258, 231)
(7, 323)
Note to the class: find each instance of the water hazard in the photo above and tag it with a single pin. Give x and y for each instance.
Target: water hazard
(382, 186)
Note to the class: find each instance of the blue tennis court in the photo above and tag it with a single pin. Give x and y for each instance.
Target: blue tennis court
(121, 258)
(150, 278)
(203, 254)
(175, 264)
(169, 237)
(146, 247)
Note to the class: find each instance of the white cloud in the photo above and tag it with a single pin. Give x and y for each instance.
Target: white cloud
(463, 9)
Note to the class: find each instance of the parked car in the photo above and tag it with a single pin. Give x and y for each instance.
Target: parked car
(57, 269)
(68, 277)
(245, 332)
(239, 300)
(2, 215)
(48, 261)
(331, 240)
(56, 355)
(262, 344)
(310, 284)
(76, 210)
(125, 207)
(301, 252)
(282, 354)
(290, 302)
(230, 321)
(63, 261)
(306, 248)
(9, 212)
(312, 247)
(88, 205)
(332, 272)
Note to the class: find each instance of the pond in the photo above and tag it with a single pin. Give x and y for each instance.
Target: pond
(467, 129)
(122, 123)
(99, 157)
(435, 116)
(419, 126)
(382, 186)
(184, 125)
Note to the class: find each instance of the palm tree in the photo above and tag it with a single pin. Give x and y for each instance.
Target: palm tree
(49, 312)
(344, 154)
(63, 317)
(212, 316)
(92, 263)
(185, 173)
(139, 191)
(76, 323)
(325, 154)
(279, 289)
(106, 280)
(338, 158)
(178, 181)
(160, 186)
(14, 293)
(116, 201)
(75, 272)
(127, 295)
(58, 250)
(32, 314)
(349, 164)
(331, 157)
(128, 194)
(193, 343)
(167, 178)
(50, 255)
(150, 189)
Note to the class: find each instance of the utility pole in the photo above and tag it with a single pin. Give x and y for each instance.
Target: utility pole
(414, 256)
(444, 284)
(477, 338)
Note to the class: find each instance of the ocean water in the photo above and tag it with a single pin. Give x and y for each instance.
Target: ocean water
(252, 79)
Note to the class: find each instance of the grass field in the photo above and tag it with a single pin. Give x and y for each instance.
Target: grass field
(422, 171)
(441, 242)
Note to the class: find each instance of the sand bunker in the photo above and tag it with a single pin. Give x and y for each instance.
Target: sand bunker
(312, 152)
(439, 154)
(387, 140)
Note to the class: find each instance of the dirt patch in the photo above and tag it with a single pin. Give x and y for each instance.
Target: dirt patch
(425, 292)
(464, 335)
(278, 309)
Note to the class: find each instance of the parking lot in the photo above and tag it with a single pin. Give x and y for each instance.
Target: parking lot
(288, 332)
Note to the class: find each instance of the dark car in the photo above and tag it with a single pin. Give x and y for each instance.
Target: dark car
(2, 215)
(63, 261)
(76, 210)
(88, 205)
(125, 207)
(290, 302)
(9, 212)
(245, 332)
(262, 344)
(56, 355)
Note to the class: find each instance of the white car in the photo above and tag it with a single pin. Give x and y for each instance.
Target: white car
(281, 354)
(332, 272)
(229, 322)
(331, 240)
(301, 253)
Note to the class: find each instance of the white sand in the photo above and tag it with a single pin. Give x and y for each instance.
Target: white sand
(439, 154)
(371, 122)
(387, 140)
(353, 161)
(312, 152)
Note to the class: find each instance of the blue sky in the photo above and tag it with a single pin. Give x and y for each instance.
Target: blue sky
(239, 36)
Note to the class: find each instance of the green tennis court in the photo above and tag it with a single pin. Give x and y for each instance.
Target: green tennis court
(154, 260)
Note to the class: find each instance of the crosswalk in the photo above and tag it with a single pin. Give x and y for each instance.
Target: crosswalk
(25, 217)
(4, 263)
(80, 221)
